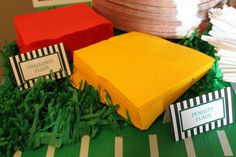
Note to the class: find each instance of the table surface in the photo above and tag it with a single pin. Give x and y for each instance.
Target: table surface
(136, 143)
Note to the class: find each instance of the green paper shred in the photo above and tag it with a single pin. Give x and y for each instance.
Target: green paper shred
(52, 112)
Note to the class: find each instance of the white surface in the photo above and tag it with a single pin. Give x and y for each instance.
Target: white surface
(50, 151)
(223, 37)
(174, 123)
(84, 148)
(224, 143)
(187, 13)
(189, 147)
(118, 146)
(226, 53)
(153, 146)
(17, 154)
(212, 111)
(40, 66)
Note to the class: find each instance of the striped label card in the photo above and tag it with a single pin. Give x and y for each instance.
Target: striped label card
(49, 62)
(203, 113)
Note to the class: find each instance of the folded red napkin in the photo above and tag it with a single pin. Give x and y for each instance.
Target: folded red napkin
(77, 26)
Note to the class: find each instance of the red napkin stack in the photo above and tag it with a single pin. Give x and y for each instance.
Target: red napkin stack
(77, 26)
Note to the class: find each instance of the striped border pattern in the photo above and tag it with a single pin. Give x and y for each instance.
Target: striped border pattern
(53, 49)
(175, 109)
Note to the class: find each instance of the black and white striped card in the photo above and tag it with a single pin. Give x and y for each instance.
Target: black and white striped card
(203, 113)
(29, 66)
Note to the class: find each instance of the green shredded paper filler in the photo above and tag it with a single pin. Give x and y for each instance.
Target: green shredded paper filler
(55, 113)
(52, 112)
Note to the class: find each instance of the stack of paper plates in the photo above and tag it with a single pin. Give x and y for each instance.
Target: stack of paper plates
(166, 18)
(223, 37)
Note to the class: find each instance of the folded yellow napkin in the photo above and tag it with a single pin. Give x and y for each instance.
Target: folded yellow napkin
(142, 73)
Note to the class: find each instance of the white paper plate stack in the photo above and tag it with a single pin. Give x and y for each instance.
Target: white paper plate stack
(166, 18)
(223, 37)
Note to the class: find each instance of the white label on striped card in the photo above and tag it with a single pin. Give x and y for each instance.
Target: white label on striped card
(29, 66)
(202, 113)
(40, 66)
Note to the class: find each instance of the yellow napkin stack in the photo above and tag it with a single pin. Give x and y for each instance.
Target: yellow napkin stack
(142, 73)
